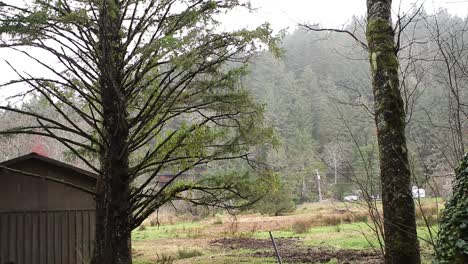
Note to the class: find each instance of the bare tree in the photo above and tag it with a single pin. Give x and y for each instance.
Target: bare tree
(451, 71)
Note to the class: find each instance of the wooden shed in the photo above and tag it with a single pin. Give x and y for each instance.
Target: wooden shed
(47, 212)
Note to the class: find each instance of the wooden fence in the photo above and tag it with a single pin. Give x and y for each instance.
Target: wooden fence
(47, 237)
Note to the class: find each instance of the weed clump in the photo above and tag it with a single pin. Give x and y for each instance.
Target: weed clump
(164, 259)
(154, 222)
(301, 226)
(425, 210)
(332, 220)
(188, 253)
(218, 221)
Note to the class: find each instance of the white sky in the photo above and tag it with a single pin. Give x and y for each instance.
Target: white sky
(329, 13)
(281, 14)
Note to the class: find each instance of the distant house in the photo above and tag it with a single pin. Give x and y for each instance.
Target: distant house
(47, 211)
(164, 178)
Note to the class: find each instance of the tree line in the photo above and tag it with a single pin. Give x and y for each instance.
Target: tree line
(142, 87)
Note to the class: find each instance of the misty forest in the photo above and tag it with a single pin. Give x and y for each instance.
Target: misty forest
(145, 131)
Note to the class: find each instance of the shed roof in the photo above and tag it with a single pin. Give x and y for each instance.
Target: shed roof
(35, 156)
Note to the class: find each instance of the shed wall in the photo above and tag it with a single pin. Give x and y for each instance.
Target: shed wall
(19, 192)
(42, 221)
(50, 237)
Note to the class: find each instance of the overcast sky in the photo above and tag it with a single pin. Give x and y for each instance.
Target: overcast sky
(281, 14)
(329, 13)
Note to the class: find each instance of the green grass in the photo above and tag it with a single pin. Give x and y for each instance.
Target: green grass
(188, 253)
(180, 230)
(342, 236)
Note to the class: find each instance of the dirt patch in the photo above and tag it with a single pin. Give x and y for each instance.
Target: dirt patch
(293, 251)
(255, 244)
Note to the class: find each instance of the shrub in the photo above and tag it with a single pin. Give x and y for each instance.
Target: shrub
(360, 217)
(188, 253)
(194, 233)
(235, 233)
(142, 228)
(218, 221)
(276, 202)
(430, 220)
(301, 226)
(348, 217)
(426, 210)
(154, 222)
(164, 259)
(332, 220)
(337, 228)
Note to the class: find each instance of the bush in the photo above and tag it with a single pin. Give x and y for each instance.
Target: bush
(276, 202)
(360, 217)
(218, 221)
(426, 210)
(194, 233)
(154, 222)
(188, 253)
(301, 226)
(164, 259)
(332, 220)
(430, 220)
(337, 229)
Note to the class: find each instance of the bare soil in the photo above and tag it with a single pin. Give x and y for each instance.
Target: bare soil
(293, 251)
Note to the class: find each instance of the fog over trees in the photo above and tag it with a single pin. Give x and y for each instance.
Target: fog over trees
(150, 89)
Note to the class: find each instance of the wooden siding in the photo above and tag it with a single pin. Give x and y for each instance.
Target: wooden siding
(46, 218)
(20, 192)
(47, 237)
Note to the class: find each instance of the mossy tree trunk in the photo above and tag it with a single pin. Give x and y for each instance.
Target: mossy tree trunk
(113, 208)
(401, 243)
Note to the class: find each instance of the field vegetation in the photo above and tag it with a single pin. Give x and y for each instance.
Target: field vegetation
(327, 232)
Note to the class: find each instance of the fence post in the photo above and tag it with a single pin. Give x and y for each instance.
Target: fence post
(278, 257)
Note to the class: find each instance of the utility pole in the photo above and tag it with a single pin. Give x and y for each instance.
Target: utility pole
(334, 163)
(318, 185)
(304, 189)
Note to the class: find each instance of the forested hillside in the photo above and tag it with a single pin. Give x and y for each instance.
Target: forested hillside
(318, 98)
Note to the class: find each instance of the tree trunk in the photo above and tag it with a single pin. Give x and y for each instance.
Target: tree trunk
(113, 208)
(401, 243)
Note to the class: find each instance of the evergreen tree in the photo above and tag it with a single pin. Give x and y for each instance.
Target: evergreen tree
(156, 94)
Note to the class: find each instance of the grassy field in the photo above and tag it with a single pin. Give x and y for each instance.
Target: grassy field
(315, 233)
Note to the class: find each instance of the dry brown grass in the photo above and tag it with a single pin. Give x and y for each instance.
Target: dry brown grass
(153, 250)
(302, 226)
(427, 214)
(331, 220)
(427, 209)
